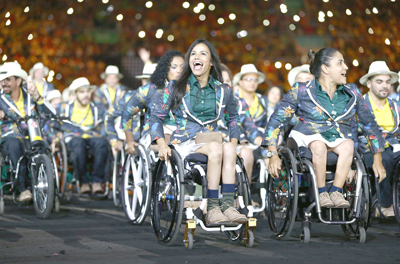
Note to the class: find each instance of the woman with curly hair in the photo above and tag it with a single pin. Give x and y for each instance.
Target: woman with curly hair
(144, 98)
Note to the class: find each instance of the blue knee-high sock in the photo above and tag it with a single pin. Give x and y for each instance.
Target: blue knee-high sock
(212, 200)
(228, 191)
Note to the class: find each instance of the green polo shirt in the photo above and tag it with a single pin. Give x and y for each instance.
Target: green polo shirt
(203, 99)
(335, 107)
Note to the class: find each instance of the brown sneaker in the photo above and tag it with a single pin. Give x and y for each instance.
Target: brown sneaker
(339, 201)
(325, 200)
(215, 216)
(85, 188)
(25, 196)
(97, 188)
(234, 216)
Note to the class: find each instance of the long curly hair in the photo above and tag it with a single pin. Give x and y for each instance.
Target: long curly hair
(160, 75)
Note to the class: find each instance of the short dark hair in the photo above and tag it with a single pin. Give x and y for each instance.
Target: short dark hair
(322, 57)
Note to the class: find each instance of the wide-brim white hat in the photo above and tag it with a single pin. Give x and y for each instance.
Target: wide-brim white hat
(37, 66)
(246, 69)
(148, 70)
(53, 94)
(379, 68)
(9, 69)
(81, 82)
(111, 69)
(295, 71)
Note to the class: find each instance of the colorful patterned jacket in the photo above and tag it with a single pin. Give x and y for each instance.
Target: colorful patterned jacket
(314, 118)
(186, 120)
(8, 127)
(114, 114)
(262, 119)
(143, 99)
(102, 99)
(72, 129)
(390, 136)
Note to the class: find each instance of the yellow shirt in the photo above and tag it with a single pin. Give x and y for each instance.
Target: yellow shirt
(20, 103)
(79, 114)
(40, 88)
(384, 117)
(256, 109)
(112, 92)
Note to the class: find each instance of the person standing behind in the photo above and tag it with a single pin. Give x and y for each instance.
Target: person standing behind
(39, 73)
(386, 112)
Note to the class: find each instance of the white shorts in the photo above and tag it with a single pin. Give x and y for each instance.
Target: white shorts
(188, 147)
(304, 140)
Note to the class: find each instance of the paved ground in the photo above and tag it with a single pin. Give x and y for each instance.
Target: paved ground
(87, 231)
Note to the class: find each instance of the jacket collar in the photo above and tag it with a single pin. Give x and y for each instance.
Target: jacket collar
(12, 106)
(104, 87)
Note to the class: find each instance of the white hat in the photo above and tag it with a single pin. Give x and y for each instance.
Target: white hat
(37, 66)
(79, 83)
(12, 69)
(378, 68)
(53, 94)
(148, 70)
(246, 69)
(111, 69)
(295, 71)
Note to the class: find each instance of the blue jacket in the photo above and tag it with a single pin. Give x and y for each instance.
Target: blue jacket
(313, 118)
(186, 120)
(102, 98)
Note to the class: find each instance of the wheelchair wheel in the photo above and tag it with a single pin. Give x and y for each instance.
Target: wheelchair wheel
(43, 185)
(238, 235)
(282, 196)
(168, 199)
(396, 194)
(117, 177)
(61, 163)
(136, 186)
(357, 230)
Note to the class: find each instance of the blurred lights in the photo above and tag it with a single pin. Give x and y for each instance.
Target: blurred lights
(159, 33)
(355, 63)
(367, 11)
(398, 43)
(330, 14)
(213, 33)
(51, 73)
(58, 76)
(49, 78)
(138, 16)
(375, 10)
(387, 41)
(278, 65)
(201, 5)
(248, 47)
(105, 1)
(242, 34)
(202, 17)
(8, 22)
(321, 19)
(80, 1)
(220, 21)
(348, 12)
(283, 8)
(288, 66)
(70, 11)
(120, 17)
(186, 5)
(170, 38)
(296, 18)
(142, 34)
(232, 16)
(30, 37)
(211, 7)
(266, 22)
(292, 27)
(326, 1)
(149, 4)
(26, 10)
(7, 14)
(331, 28)
(4, 57)
(267, 63)
(321, 16)
(370, 31)
(196, 9)
(361, 49)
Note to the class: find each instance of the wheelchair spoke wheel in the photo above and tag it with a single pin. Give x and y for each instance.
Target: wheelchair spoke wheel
(363, 218)
(396, 197)
(117, 178)
(136, 186)
(282, 196)
(43, 186)
(61, 164)
(167, 199)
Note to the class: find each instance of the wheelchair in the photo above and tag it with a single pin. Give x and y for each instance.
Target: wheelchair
(295, 192)
(60, 163)
(174, 178)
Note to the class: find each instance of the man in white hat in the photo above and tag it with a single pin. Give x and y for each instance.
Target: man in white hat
(14, 102)
(39, 73)
(386, 111)
(108, 94)
(54, 98)
(82, 136)
(148, 70)
(300, 74)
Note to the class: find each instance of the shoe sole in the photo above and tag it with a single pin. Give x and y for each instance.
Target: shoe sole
(327, 205)
(218, 223)
(240, 220)
(343, 206)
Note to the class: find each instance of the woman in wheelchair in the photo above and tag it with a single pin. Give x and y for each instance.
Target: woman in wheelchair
(198, 100)
(326, 107)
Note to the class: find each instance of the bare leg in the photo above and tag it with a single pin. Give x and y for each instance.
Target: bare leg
(228, 163)
(345, 153)
(319, 154)
(214, 153)
(248, 160)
